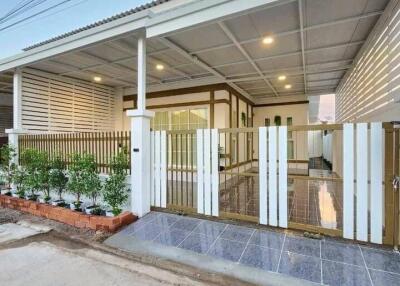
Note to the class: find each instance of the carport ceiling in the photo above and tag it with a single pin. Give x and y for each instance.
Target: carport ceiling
(314, 43)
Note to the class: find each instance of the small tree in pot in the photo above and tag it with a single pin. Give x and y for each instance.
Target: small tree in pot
(58, 179)
(43, 166)
(32, 161)
(20, 180)
(115, 192)
(7, 168)
(92, 190)
(75, 183)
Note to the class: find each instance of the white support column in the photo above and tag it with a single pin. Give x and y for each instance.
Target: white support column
(140, 128)
(17, 113)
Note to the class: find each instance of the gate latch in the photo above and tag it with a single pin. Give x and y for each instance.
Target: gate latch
(396, 183)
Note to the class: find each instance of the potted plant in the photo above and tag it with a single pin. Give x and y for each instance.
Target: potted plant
(92, 190)
(20, 180)
(75, 183)
(7, 168)
(58, 179)
(115, 191)
(43, 175)
(31, 161)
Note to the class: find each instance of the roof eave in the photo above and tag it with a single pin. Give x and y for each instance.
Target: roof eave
(110, 30)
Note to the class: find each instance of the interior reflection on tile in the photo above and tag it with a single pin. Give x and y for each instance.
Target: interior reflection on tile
(336, 273)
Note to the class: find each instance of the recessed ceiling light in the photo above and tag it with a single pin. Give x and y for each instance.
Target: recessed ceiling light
(97, 79)
(281, 77)
(288, 86)
(159, 67)
(268, 40)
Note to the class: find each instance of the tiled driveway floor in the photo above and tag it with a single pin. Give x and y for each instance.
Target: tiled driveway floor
(323, 261)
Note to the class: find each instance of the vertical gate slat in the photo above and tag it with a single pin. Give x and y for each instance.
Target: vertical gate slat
(362, 181)
(157, 173)
(152, 169)
(376, 163)
(215, 172)
(283, 217)
(262, 165)
(272, 190)
(207, 172)
(348, 180)
(200, 171)
(163, 169)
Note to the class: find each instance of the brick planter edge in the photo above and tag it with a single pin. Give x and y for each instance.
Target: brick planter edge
(67, 216)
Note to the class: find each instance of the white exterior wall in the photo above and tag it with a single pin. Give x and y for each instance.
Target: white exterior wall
(370, 91)
(299, 114)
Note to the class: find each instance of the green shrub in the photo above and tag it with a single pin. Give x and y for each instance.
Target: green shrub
(20, 180)
(58, 179)
(36, 165)
(83, 178)
(7, 168)
(115, 192)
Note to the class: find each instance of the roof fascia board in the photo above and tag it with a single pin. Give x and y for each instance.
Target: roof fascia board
(78, 41)
(200, 12)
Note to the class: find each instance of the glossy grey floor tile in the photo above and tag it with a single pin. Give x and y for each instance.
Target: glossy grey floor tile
(381, 259)
(197, 242)
(302, 246)
(186, 223)
(237, 233)
(340, 274)
(384, 278)
(300, 266)
(269, 239)
(171, 237)
(210, 228)
(165, 220)
(227, 249)
(261, 257)
(147, 232)
(342, 252)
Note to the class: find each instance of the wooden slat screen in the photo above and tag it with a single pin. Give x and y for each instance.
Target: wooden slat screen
(373, 84)
(52, 103)
(103, 145)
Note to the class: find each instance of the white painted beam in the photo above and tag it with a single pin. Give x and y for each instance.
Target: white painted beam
(303, 55)
(246, 55)
(184, 53)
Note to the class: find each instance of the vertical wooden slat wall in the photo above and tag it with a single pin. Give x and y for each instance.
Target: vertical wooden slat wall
(102, 145)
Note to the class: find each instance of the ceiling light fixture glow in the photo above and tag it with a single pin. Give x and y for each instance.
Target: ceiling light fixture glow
(268, 40)
(97, 79)
(288, 86)
(281, 77)
(159, 67)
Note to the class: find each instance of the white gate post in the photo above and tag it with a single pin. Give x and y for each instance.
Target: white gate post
(17, 114)
(140, 140)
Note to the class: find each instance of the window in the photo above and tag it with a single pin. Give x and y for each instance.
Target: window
(182, 146)
(289, 122)
(267, 122)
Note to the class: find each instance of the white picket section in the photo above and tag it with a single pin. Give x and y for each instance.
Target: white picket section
(348, 180)
(272, 175)
(273, 194)
(376, 161)
(158, 169)
(262, 165)
(362, 181)
(200, 170)
(164, 169)
(152, 169)
(214, 173)
(367, 168)
(283, 211)
(207, 172)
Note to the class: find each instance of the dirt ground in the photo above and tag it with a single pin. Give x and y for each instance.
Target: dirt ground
(71, 256)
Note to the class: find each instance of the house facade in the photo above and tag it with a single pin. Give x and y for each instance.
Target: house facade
(210, 98)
